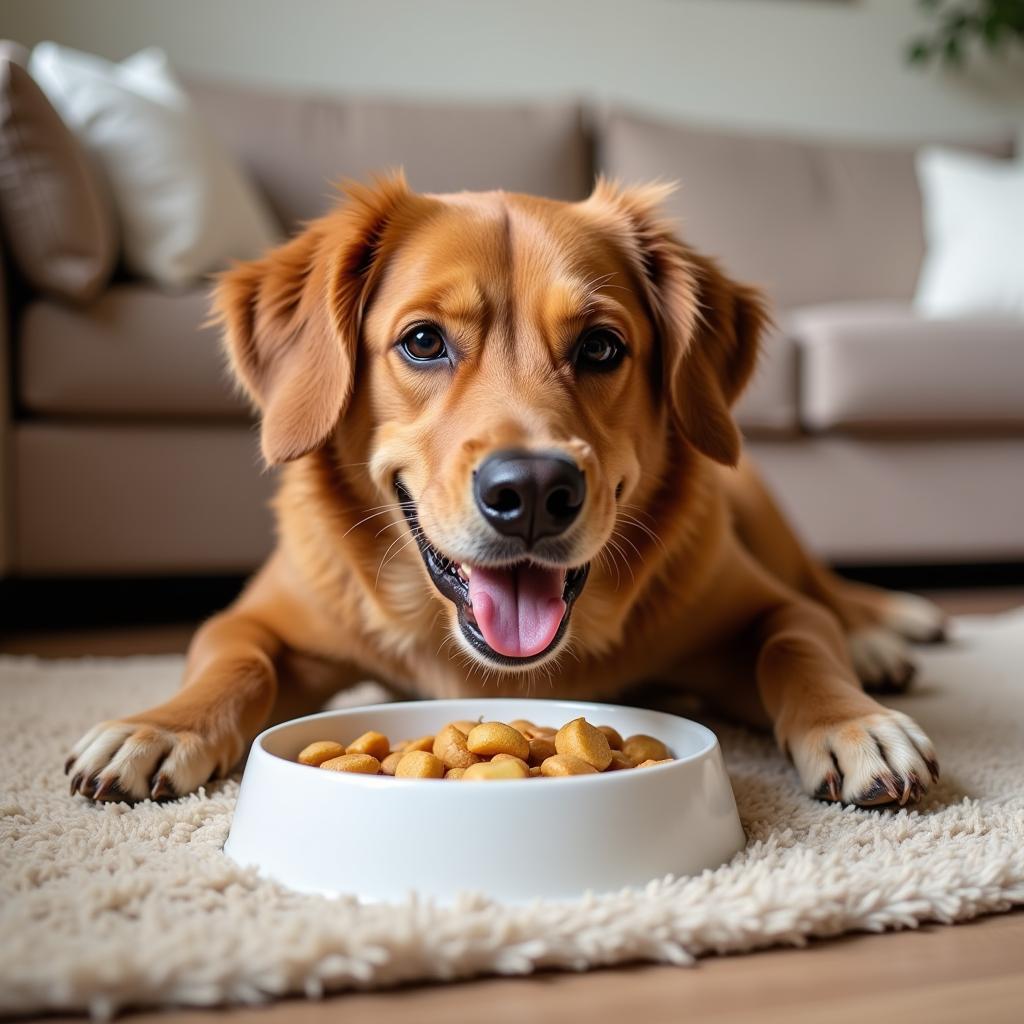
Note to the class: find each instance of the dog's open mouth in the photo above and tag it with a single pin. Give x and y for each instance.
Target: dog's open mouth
(512, 614)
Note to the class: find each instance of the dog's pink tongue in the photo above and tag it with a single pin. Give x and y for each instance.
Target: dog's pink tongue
(518, 610)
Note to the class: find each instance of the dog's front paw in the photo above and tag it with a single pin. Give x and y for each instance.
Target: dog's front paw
(132, 759)
(881, 659)
(878, 758)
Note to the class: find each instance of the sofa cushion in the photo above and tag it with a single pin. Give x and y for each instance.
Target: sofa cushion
(133, 352)
(810, 221)
(770, 404)
(56, 215)
(296, 147)
(882, 366)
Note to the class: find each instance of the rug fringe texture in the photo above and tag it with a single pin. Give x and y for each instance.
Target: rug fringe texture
(108, 907)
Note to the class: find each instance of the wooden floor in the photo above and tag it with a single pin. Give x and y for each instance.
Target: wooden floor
(969, 973)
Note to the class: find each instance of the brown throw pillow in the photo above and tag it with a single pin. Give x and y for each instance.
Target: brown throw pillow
(57, 219)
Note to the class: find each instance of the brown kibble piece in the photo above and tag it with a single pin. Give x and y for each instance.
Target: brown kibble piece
(505, 768)
(419, 764)
(579, 738)
(373, 743)
(390, 763)
(541, 748)
(490, 738)
(534, 771)
(464, 726)
(455, 773)
(450, 748)
(652, 761)
(644, 748)
(361, 764)
(526, 727)
(323, 750)
(566, 764)
(423, 743)
(618, 762)
(612, 735)
(511, 757)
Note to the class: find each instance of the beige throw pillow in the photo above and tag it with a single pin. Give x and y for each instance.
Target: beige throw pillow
(57, 219)
(184, 204)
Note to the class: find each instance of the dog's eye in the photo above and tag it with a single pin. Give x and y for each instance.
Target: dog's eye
(424, 344)
(600, 348)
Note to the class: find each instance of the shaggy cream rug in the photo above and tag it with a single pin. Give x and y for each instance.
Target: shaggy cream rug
(105, 907)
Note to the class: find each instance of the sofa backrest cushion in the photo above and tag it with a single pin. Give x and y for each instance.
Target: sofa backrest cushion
(810, 221)
(297, 148)
(57, 218)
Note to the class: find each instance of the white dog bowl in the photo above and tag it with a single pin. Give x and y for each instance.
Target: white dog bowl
(380, 838)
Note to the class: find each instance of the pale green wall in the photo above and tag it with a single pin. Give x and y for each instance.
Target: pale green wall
(810, 66)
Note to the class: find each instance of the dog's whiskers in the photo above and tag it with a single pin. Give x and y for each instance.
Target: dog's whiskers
(643, 529)
(383, 510)
(618, 533)
(606, 560)
(385, 561)
(617, 548)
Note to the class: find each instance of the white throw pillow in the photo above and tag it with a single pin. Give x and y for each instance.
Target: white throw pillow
(184, 205)
(974, 229)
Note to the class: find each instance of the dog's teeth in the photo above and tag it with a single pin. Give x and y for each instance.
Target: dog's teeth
(465, 572)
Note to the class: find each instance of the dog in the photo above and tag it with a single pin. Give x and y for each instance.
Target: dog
(510, 466)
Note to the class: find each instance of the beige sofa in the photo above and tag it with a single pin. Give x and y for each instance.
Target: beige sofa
(889, 439)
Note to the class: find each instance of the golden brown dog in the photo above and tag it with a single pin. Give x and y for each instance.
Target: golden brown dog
(512, 467)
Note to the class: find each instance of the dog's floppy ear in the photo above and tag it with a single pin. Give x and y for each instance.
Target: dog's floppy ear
(709, 325)
(291, 320)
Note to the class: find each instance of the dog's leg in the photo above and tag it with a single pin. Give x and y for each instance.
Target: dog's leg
(844, 744)
(239, 663)
(229, 688)
(877, 623)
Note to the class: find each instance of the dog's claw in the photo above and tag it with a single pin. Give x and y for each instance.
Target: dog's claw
(830, 788)
(68, 763)
(161, 789)
(933, 768)
(909, 790)
(107, 787)
(881, 785)
(75, 782)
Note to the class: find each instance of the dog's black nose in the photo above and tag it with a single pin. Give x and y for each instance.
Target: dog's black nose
(530, 495)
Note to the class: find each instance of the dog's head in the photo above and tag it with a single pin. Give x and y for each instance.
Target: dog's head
(516, 372)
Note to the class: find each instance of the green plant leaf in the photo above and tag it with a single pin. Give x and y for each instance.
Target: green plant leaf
(952, 52)
(918, 52)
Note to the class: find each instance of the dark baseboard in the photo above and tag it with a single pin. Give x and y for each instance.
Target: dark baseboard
(60, 603)
(952, 576)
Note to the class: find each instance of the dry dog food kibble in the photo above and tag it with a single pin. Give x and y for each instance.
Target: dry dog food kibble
(489, 751)
(450, 747)
(316, 753)
(580, 739)
(419, 764)
(644, 748)
(510, 768)
(490, 738)
(373, 743)
(362, 764)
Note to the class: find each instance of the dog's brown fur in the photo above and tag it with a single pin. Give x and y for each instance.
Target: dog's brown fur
(696, 580)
